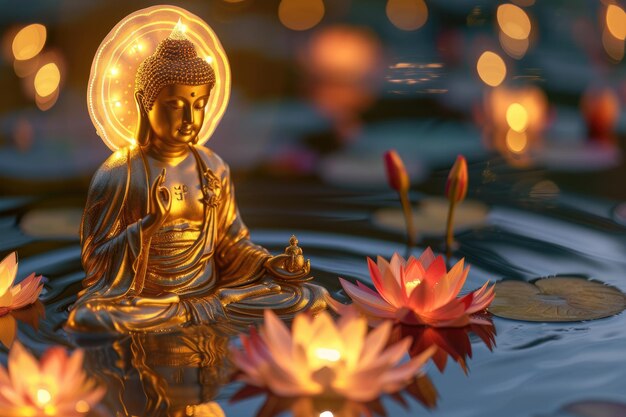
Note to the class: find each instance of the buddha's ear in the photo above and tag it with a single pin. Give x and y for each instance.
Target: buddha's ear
(139, 99)
(143, 127)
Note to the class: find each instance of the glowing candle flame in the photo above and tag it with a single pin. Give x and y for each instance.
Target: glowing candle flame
(326, 414)
(331, 355)
(410, 285)
(43, 397)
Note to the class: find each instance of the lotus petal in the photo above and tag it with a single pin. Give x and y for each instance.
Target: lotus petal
(28, 292)
(8, 270)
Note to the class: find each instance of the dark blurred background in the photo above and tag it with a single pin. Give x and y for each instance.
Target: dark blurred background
(322, 88)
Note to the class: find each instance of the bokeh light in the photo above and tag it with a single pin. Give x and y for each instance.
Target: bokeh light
(600, 109)
(82, 406)
(515, 48)
(407, 14)
(26, 68)
(300, 14)
(516, 142)
(616, 21)
(29, 41)
(517, 117)
(43, 397)
(47, 79)
(513, 21)
(343, 73)
(491, 68)
(613, 47)
(23, 134)
(46, 103)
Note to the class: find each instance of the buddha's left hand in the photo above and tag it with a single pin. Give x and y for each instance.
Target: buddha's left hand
(277, 267)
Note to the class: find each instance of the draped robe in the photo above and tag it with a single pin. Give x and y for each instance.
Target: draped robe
(116, 255)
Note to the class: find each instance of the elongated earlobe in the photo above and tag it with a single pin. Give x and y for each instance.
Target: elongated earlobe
(143, 127)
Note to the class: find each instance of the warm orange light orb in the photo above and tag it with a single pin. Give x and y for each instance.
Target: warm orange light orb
(515, 48)
(110, 93)
(616, 21)
(613, 47)
(513, 21)
(491, 68)
(47, 79)
(407, 14)
(517, 117)
(29, 41)
(300, 14)
(516, 142)
(82, 406)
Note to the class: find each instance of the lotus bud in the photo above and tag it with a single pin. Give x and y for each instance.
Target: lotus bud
(456, 185)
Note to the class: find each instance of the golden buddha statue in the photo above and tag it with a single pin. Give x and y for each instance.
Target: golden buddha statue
(163, 243)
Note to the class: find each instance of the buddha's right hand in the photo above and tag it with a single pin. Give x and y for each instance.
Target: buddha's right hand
(160, 205)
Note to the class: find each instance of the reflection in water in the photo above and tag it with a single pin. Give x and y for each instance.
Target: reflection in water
(29, 315)
(454, 342)
(173, 374)
(421, 389)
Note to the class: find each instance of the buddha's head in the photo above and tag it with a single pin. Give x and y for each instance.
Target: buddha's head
(172, 89)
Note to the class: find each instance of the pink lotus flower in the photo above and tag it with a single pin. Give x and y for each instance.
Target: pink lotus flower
(417, 292)
(13, 297)
(321, 358)
(56, 386)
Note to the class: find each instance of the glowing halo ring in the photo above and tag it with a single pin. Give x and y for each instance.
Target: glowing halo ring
(110, 93)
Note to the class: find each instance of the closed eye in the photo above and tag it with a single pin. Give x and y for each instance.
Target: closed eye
(176, 104)
(200, 103)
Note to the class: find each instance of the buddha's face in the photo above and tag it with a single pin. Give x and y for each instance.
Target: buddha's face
(178, 113)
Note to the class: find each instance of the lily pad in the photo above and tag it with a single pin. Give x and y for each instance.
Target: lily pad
(58, 223)
(556, 299)
(596, 409)
(431, 215)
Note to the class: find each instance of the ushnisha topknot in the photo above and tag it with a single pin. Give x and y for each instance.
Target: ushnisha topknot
(175, 61)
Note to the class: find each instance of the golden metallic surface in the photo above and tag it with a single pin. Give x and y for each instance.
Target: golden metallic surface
(171, 374)
(163, 244)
